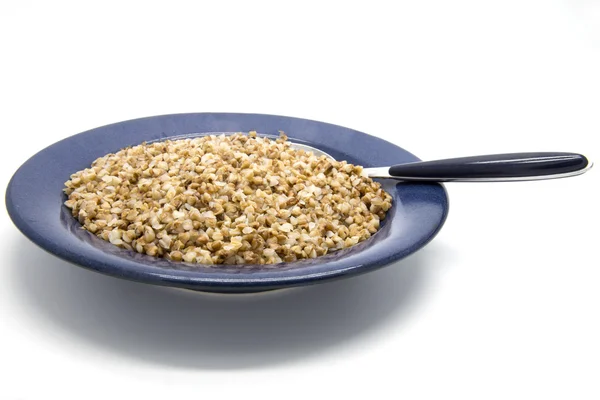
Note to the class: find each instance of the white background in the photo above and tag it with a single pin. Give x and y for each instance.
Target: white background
(504, 303)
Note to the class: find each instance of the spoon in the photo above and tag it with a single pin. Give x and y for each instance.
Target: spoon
(486, 168)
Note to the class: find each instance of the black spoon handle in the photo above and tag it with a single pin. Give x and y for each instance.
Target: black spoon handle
(495, 167)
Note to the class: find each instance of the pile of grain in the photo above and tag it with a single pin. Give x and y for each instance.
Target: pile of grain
(231, 199)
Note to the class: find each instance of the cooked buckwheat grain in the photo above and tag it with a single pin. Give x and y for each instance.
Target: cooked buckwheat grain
(232, 199)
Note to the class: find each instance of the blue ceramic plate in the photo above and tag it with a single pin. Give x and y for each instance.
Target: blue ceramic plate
(34, 199)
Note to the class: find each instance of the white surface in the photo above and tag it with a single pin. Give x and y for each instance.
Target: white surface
(505, 303)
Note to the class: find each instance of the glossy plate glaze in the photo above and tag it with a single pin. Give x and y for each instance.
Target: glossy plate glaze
(34, 200)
